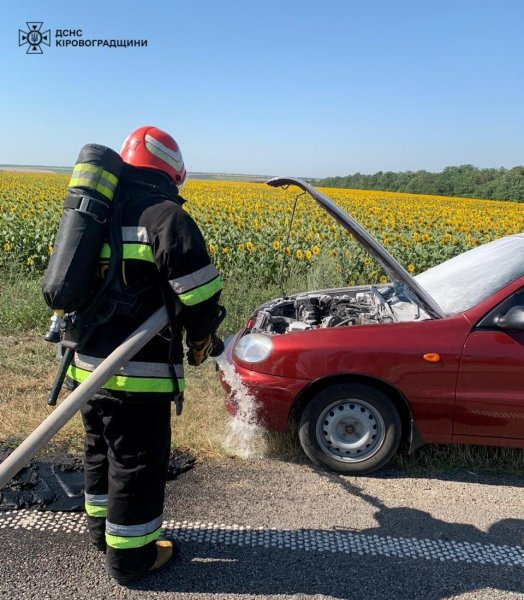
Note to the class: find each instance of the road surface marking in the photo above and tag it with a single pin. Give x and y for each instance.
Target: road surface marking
(304, 540)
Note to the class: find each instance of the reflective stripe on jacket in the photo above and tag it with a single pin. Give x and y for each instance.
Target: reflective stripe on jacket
(134, 377)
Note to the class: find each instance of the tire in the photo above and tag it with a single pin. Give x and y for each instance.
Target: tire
(350, 428)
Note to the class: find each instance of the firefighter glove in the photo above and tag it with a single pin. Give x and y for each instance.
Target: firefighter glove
(198, 351)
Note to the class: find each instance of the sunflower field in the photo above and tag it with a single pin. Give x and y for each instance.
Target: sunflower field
(250, 227)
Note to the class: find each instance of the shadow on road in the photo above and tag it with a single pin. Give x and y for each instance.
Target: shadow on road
(206, 569)
(409, 555)
(410, 522)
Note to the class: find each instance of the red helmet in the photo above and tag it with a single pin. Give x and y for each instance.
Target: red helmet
(153, 148)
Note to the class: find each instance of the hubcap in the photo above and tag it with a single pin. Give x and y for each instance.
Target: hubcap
(350, 430)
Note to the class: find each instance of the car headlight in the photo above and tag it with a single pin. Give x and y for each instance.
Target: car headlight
(253, 347)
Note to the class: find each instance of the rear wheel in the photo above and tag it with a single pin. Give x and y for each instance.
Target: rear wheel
(350, 428)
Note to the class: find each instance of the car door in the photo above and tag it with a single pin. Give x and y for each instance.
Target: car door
(490, 386)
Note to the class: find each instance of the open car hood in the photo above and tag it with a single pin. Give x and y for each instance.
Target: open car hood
(394, 270)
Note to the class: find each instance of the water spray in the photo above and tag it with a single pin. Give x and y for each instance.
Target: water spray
(244, 436)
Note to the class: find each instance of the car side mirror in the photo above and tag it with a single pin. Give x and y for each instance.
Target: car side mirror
(513, 319)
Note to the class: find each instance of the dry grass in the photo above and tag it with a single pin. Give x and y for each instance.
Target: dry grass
(455, 457)
(27, 369)
(202, 427)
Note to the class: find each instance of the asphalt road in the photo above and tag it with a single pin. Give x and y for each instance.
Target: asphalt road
(267, 529)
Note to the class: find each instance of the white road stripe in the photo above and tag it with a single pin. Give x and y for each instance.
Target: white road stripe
(305, 540)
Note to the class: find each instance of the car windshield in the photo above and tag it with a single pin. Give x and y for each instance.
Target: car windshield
(467, 279)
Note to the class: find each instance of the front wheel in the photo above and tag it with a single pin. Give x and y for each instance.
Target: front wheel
(350, 428)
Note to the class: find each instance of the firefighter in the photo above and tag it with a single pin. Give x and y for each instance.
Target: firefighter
(127, 424)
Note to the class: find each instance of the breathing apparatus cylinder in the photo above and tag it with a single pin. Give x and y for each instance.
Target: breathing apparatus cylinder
(68, 283)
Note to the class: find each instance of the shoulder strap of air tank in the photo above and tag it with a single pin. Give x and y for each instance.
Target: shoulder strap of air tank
(99, 311)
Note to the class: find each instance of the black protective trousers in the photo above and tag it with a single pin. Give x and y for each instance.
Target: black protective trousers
(126, 459)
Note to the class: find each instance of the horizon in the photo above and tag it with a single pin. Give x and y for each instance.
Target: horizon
(5, 166)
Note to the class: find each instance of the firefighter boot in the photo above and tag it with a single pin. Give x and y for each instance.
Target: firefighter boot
(166, 550)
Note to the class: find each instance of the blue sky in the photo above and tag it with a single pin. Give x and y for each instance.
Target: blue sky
(289, 87)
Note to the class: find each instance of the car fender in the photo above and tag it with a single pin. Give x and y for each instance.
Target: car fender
(410, 432)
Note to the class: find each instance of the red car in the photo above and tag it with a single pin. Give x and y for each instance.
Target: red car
(436, 358)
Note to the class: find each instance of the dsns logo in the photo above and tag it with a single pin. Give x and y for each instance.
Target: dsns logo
(34, 37)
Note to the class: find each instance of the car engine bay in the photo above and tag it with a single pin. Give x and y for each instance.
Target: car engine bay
(337, 308)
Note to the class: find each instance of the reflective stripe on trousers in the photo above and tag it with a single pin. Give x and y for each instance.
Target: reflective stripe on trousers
(127, 450)
(96, 505)
(132, 536)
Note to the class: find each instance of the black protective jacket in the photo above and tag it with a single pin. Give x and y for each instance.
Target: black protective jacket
(164, 260)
